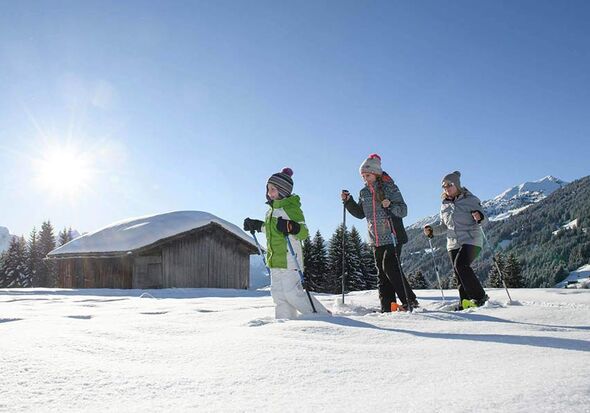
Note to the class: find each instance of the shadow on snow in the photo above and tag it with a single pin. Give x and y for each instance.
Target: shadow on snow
(535, 341)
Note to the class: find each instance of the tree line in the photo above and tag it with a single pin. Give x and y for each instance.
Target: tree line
(24, 265)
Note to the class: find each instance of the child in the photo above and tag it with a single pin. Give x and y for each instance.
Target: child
(460, 219)
(381, 202)
(285, 219)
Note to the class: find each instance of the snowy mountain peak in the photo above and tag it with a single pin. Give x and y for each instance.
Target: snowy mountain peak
(519, 197)
(545, 186)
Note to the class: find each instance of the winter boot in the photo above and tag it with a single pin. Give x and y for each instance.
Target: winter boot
(465, 304)
(395, 307)
(474, 303)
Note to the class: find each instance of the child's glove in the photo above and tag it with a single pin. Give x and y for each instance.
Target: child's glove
(428, 231)
(286, 226)
(252, 225)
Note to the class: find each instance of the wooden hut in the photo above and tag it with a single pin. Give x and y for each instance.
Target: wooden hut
(185, 249)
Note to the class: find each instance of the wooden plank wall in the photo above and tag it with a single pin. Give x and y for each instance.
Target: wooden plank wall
(229, 264)
(208, 259)
(95, 273)
(147, 271)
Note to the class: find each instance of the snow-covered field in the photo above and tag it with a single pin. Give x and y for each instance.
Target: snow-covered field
(221, 350)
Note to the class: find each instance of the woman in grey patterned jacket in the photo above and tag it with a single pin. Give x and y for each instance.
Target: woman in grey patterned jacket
(382, 204)
(461, 217)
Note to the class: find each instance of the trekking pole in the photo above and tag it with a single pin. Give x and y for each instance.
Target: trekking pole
(436, 270)
(344, 246)
(292, 251)
(496, 263)
(260, 252)
(397, 258)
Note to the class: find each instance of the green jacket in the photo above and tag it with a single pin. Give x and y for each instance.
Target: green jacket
(277, 250)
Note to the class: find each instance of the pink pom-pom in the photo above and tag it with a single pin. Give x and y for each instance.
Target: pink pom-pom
(374, 155)
(287, 171)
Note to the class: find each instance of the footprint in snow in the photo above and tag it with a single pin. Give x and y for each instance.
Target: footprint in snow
(262, 321)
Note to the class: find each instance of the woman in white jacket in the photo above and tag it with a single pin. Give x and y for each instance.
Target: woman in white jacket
(461, 217)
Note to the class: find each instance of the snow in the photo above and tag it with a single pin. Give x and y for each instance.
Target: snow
(508, 214)
(568, 226)
(518, 198)
(505, 243)
(135, 233)
(578, 278)
(546, 186)
(430, 220)
(221, 350)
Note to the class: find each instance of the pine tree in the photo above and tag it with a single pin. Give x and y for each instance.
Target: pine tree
(307, 245)
(355, 276)
(418, 282)
(335, 260)
(369, 269)
(65, 236)
(309, 264)
(494, 278)
(14, 269)
(320, 277)
(34, 259)
(513, 275)
(46, 274)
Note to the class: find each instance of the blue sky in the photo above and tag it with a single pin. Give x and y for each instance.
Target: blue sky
(160, 106)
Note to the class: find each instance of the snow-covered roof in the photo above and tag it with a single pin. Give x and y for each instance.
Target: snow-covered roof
(132, 234)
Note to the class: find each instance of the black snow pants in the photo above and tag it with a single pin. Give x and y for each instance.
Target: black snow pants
(468, 284)
(390, 279)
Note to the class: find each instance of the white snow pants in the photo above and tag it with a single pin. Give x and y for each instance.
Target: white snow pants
(289, 296)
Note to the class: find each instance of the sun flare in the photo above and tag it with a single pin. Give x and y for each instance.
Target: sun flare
(63, 171)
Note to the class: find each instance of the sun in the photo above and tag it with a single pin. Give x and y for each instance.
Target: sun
(63, 171)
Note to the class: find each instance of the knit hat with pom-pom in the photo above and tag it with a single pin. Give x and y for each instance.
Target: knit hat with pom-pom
(454, 178)
(371, 165)
(283, 181)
